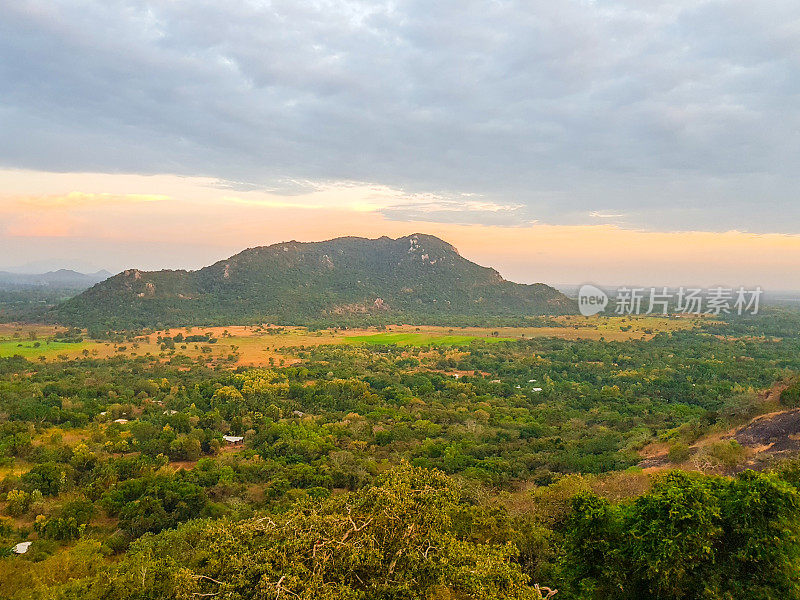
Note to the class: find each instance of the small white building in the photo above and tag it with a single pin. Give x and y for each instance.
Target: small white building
(233, 439)
(121, 421)
(21, 548)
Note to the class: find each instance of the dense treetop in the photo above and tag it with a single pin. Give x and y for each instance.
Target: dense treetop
(475, 469)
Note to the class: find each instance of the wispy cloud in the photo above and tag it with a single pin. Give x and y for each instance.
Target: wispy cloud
(605, 215)
(463, 211)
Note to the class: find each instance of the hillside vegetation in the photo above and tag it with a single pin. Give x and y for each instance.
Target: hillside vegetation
(413, 465)
(345, 280)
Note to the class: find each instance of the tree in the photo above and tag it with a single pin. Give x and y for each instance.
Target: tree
(392, 540)
(48, 478)
(692, 536)
(17, 503)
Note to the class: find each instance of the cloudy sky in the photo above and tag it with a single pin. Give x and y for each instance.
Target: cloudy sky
(612, 141)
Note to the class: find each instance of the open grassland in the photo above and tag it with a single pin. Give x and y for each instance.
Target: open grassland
(47, 349)
(265, 345)
(418, 339)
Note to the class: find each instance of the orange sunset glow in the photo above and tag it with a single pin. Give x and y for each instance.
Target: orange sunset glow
(183, 222)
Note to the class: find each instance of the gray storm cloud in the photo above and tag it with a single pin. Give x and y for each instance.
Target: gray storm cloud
(667, 115)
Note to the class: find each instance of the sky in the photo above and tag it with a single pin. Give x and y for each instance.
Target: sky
(617, 142)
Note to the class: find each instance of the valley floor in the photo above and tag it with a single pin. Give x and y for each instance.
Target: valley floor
(219, 457)
(266, 345)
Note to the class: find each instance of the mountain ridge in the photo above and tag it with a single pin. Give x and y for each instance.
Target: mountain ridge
(58, 278)
(298, 282)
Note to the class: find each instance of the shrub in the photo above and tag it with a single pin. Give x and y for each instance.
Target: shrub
(17, 503)
(790, 397)
(678, 452)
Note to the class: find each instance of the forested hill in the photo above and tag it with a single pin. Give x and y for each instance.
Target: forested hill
(351, 279)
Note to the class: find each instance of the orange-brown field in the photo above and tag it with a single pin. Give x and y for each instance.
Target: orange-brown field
(263, 345)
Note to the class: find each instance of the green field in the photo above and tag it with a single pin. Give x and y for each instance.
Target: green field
(29, 349)
(418, 339)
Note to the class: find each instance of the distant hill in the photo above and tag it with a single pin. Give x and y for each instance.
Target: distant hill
(63, 278)
(350, 279)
